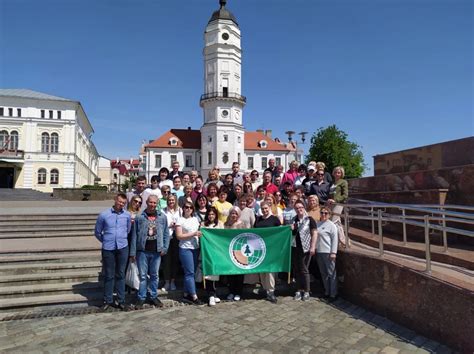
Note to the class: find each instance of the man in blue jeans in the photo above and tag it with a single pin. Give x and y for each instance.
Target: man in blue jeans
(150, 241)
(111, 229)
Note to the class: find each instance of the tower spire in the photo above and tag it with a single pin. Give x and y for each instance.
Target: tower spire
(222, 3)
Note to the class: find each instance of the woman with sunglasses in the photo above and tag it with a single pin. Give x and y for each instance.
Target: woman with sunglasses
(170, 261)
(326, 251)
(279, 200)
(188, 189)
(211, 221)
(303, 248)
(188, 234)
(163, 202)
(247, 187)
(320, 187)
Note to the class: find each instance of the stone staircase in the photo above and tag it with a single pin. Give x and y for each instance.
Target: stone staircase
(24, 194)
(48, 260)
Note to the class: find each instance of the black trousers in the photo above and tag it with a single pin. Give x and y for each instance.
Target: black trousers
(170, 262)
(301, 263)
(236, 284)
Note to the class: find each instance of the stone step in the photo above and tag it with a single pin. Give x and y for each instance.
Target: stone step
(47, 217)
(49, 244)
(87, 232)
(49, 278)
(93, 298)
(45, 228)
(56, 257)
(11, 269)
(45, 223)
(49, 289)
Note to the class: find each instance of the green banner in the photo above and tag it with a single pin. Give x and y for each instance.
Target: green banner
(243, 251)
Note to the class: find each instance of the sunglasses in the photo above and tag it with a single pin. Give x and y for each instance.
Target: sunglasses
(166, 192)
(137, 201)
(320, 174)
(324, 213)
(187, 207)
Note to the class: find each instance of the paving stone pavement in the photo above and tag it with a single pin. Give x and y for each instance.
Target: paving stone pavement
(246, 326)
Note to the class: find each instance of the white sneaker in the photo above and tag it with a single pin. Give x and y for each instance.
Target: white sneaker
(212, 301)
(230, 297)
(297, 296)
(216, 299)
(237, 298)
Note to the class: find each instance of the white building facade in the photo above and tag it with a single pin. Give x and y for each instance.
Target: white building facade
(45, 142)
(222, 138)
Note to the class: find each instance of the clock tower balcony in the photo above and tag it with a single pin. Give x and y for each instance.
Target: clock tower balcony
(222, 95)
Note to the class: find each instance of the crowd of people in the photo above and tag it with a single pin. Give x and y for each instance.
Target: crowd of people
(158, 227)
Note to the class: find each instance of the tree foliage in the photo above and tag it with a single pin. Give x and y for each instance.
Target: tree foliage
(331, 146)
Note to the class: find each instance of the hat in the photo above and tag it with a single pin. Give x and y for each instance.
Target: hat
(311, 168)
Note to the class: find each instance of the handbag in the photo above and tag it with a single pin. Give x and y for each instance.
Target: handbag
(132, 278)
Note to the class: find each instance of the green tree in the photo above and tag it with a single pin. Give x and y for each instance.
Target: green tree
(331, 146)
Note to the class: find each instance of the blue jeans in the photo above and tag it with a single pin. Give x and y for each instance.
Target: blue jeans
(148, 264)
(189, 261)
(114, 263)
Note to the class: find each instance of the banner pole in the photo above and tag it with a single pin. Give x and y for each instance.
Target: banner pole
(204, 281)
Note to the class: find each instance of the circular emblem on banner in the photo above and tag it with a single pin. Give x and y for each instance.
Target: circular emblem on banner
(247, 250)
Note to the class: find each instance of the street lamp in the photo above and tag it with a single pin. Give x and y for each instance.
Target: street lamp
(302, 135)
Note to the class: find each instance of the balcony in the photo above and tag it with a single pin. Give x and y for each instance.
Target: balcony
(223, 95)
(12, 154)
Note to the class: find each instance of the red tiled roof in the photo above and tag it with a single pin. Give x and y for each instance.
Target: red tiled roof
(252, 142)
(187, 139)
(191, 139)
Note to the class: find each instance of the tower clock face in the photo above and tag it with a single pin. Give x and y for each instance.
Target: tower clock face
(225, 36)
(225, 113)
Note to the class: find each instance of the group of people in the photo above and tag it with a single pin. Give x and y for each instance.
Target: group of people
(159, 227)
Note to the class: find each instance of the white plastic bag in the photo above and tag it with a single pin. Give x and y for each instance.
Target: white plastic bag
(132, 278)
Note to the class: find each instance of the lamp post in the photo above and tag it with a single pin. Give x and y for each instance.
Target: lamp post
(302, 135)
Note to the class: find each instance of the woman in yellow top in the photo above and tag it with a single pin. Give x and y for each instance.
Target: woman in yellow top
(222, 205)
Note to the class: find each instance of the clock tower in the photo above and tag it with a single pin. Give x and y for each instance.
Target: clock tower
(222, 134)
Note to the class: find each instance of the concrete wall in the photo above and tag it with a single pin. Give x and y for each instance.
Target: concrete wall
(78, 194)
(427, 305)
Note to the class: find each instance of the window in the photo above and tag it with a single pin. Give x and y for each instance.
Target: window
(54, 176)
(264, 163)
(173, 158)
(226, 137)
(209, 158)
(50, 114)
(263, 144)
(225, 157)
(225, 91)
(250, 162)
(238, 157)
(42, 176)
(45, 142)
(54, 143)
(157, 161)
(239, 139)
(3, 139)
(59, 114)
(10, 112)
(277, 161)
(42, 113)
(2, 111)
(188, 162)
(18, 112)
(14, 140)
(173, 141)
(209, 139)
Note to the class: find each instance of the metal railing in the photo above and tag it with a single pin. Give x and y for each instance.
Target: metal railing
(12, 153)
(430, 217)
(221, 94)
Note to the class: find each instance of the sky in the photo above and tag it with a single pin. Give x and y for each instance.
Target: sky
(392, 74)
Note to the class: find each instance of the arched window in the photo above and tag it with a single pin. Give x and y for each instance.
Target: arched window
(14, 140)
(42, 176)
(54, 176)
(3, 139)
(54, 143)
(45, 142)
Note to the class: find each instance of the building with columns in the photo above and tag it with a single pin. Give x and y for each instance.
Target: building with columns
(45, 142)
(222, 138)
